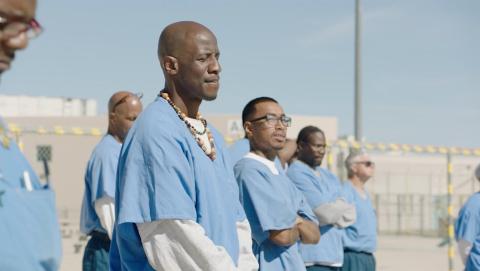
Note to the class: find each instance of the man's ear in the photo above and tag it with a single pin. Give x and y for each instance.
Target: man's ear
(354, 169)
(111, 117)
(170, 64)
(300, 146)
(247, 126)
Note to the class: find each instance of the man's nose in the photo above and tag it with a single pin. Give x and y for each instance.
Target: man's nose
(17, 42)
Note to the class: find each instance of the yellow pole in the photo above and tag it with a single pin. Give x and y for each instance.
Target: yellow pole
(329, 159)
(451, 252)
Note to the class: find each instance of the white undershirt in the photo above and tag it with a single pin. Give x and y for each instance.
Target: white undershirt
(182, 245)
(105, 209)
(270, 164)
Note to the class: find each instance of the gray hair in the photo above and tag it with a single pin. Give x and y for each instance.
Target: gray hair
(351, 159)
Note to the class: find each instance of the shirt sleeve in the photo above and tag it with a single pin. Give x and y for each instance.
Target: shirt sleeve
(473, 260)
(327, 206)
(182, 245)
(103, 175)
(246, 259)
(467, 226)
(262, 203)
(156, 179)
(105, 209)
(338, 213)
(315, 196)
(304, 209)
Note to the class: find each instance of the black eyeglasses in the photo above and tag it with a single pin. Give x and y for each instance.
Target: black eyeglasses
(12, 28)
(272, 120)
(139, 96)
(366, 163)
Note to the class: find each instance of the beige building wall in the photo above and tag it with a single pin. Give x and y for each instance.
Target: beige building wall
(70, 153)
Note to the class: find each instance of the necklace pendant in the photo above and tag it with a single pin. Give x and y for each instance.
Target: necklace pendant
(196, 134)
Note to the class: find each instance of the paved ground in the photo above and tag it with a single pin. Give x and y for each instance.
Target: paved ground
(395, 253)
(399, 253)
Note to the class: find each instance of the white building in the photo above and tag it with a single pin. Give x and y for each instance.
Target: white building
(41, 106)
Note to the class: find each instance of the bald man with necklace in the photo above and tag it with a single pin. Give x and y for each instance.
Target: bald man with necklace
(177, 202)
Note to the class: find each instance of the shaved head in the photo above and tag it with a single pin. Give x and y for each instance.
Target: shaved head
(175, 37)
(123, 109)
(118, 98)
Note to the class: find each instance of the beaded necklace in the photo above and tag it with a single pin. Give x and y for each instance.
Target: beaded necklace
(195, 133)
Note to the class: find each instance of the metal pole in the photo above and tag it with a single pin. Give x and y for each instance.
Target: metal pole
(451, 253)
(358, 73)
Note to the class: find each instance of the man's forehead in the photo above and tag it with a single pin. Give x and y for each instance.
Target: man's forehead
(203, 41)
(268, 107)
(317, 136)
(18, 8)
(363, 157)
(130, 106)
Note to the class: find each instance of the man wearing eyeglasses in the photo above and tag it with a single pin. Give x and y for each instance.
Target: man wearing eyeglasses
(360, 238)
(323, 191)
(242, 146)
(278, 213)
(29, 230)
(98, 209)
(17, 26)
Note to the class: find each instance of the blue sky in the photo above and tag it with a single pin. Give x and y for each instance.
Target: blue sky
(421, 62)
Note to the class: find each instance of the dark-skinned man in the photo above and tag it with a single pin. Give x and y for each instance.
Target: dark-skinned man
(98, 209)
(323, 191)
(29, 230)
(177, 201)
(278, 213)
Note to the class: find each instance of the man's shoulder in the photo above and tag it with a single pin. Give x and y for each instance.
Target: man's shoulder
(473, 204)
(347, 187)
(247, 164)
(106, 149)
(247, 167)
(157, 113)
(326, 173)
(297, 169)
(157, 120)
(298, 166)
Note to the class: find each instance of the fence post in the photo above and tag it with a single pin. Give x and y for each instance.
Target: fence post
(377, 205)
(399, 213)
(451, 252)
(340, 164)
(422, 221)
